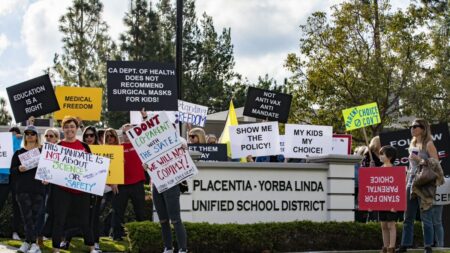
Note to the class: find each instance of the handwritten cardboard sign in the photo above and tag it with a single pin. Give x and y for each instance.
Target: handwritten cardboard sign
(382, 188)
(158, 145)
(192, 113)
(73, 169)
(30, 159)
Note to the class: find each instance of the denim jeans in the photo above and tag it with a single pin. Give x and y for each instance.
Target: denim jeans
(437, 225)
(412, 204)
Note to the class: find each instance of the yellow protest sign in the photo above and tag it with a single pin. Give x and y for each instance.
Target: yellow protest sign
(115, 153)
(361, 116)
(85, 103)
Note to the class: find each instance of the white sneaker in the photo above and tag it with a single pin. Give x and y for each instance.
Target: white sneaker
(15, 236)
(97, 246)
(182, 251)
(94, 251)
(168, 250)
(34, 248)
(24, 247)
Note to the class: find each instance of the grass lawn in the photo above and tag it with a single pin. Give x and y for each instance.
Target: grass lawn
(77, 245)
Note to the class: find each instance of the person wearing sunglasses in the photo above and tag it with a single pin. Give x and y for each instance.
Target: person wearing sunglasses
(90, 136)
(421, 149)
(51, 135)
(29, 191)
(197, 136)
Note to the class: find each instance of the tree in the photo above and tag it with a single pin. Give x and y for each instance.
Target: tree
(5, 117)
(86, 48)
(365, 53)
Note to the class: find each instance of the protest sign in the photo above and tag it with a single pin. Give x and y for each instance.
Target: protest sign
(134, 85)
(402, 139)
(158, 145)
(302, 141)
(115, 154)
(261, 139)
(73, 169)
(85, 103)
(34, 97)
(136, 117)
(342, 144)
(442, 196)
(30, 159)
(361, 116)
(6, 152)
(210, 152)
(265, 104)
(192, 113)
(382, 188)
(282, 141)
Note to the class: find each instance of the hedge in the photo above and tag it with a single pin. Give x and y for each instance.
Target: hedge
(145, 237)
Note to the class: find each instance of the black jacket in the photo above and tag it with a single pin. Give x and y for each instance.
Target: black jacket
(24, 182)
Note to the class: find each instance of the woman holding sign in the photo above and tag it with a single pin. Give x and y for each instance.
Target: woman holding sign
(29, 192)
(422, 152)
(65, 199)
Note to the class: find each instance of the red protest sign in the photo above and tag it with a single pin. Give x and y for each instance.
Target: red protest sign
(382, 188)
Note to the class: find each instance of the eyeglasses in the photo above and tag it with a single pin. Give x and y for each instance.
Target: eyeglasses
(415, 126)
(30, 134)
(49, 136)
(192, 136)
(89, 135)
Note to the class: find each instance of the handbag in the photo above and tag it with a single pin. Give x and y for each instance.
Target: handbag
(183, 186)
(424, 175)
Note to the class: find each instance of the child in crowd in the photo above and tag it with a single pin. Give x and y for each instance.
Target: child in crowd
(388, 154)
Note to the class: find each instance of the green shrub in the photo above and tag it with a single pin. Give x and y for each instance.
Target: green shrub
(145, 237)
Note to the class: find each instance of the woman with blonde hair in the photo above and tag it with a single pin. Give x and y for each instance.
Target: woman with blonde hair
(422, 152)
(51, 135)
(29, 191)
(197, 136)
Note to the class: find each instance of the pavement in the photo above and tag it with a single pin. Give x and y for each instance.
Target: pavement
(7, 249)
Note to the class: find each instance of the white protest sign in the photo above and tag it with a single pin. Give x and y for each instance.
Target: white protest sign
(30, 159)
(158, 145)
(192, 113)
(73, 169)
(442, 196)
(136, 117)
(261, 139)
(302, 141)
(282, 140)
(6, 152)
(342, 144)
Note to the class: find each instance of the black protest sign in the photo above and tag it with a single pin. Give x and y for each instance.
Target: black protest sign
(210, 152)
(265, 104)
(134, 85)
(401, 140)
(34, 97)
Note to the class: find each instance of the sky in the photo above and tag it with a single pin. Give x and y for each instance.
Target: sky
(263, 32)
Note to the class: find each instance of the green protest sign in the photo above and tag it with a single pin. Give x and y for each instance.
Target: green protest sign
(361, 116)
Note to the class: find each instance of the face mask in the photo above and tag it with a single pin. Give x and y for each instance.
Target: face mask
(382, 158)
